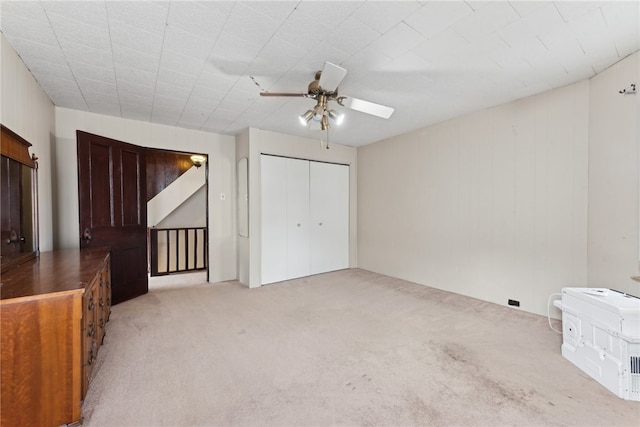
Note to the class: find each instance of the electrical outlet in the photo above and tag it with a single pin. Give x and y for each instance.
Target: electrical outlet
(514, 303)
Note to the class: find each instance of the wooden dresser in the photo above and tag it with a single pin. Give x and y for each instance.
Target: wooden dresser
(53, 313)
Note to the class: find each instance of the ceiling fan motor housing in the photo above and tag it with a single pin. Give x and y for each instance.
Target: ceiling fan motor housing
(314, 87)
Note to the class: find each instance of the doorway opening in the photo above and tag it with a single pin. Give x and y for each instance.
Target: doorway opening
(120, 188)
(177, 212)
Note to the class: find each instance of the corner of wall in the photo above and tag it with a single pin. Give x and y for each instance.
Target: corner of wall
(614, 178)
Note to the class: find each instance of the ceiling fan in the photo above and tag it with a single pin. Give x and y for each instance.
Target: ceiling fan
(324, 88)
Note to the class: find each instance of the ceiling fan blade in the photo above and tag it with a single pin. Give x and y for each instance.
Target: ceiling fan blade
(366, 106)
(303, 95)
(331, 76)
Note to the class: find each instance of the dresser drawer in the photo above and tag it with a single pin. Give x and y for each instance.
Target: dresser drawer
(89, 307)
(96, 309)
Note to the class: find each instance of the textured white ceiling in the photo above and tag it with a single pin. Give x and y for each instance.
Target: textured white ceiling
(202, 64)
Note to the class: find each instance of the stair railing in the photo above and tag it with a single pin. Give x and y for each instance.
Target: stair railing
(177, 250)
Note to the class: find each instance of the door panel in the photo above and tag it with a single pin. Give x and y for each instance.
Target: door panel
(101, 208)
(111, 193)
(274, 219)
(329, 184)
(297, 218)
(131, 189)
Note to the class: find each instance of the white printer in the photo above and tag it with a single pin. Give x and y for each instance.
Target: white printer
(601, 336)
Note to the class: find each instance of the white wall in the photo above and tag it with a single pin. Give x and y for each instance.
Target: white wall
(492, 205)
(258, 142)
(220, 150)
(27, 110)
(191, 213)
(614, 140)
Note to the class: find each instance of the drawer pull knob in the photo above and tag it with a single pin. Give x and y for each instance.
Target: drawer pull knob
(87, 235)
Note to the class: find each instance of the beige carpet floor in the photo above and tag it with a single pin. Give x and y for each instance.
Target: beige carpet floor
(349, 348)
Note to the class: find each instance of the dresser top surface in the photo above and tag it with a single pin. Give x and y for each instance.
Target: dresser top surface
(51, 272)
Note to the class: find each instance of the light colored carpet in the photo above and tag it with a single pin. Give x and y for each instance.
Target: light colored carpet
(344, 348)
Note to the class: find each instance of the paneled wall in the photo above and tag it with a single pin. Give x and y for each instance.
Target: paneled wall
(614, 175)
(26, 110)
(164, 167)
(492, 205)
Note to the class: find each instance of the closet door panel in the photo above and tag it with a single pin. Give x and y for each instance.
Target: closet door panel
(329, 208)
(274, 219)
(297, 208)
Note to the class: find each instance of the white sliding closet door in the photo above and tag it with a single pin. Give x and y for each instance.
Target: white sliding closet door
(274, 219)
(305, 218)
(329, 209)
(297, 218)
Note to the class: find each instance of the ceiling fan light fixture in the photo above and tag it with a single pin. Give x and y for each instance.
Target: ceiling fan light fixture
(306, 117)
(338, 118)
(324, 124)
(318, 110)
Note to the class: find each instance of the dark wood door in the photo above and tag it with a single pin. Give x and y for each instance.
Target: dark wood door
(113, 209)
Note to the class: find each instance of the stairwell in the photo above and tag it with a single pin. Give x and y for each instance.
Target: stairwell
(176, 213)
(174, 195)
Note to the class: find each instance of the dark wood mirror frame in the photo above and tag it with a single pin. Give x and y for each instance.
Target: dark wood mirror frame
(19, 205)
